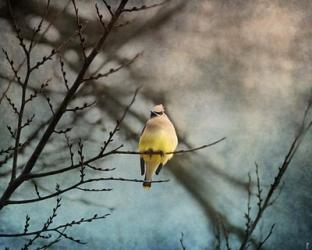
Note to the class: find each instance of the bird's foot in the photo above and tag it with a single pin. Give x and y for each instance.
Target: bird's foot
(150, 152)
(161, 153)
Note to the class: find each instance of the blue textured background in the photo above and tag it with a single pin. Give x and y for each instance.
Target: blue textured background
(240, 69)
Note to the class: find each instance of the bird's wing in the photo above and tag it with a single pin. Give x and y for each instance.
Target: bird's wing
(142, 164)
(159, 168)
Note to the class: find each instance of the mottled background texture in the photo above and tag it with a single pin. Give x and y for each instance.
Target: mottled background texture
(235, 68)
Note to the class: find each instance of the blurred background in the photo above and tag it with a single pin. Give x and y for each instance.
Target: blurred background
(240, 69)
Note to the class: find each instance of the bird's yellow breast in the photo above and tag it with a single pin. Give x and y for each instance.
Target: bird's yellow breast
(156, 140)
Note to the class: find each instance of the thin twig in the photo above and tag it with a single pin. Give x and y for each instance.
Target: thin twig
(145, 7)
(181, 242)
(259, 190)
(79, 25)
(100, 16)
(266, 238)
(226, 236)
(109, 8)
(112, 70)
(217, 235)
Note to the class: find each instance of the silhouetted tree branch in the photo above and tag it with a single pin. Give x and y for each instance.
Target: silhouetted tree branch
(181, 242)
(264, 203)
(57, 126)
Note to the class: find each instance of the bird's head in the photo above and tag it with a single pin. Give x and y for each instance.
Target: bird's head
(157, 110)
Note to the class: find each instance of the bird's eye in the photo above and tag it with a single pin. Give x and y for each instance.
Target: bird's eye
(154, 113)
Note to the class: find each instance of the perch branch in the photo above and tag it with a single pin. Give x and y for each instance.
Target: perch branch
(114, 151)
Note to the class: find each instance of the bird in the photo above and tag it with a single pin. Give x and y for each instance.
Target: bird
(158, 135)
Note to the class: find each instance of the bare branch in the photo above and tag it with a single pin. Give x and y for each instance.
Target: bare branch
(81, 161)
(34, 43)
(70, 146)
(6, 150)
(43, 60)
(17, 30)
(62, 131)
(280, 189)
(5, 160)
(26, 227)
(118, 122)
(12, 104)
(6, 90)
(259, 190)
(24, 84)
(226, 236)
(68, 237)
(181, 242)
(37, 30)
(64, 74)
(267, 201)
(48, 99)
(45, 227)
(266, 238)
(28, 122)
(100, 16)
(102, 154)
(247, 215)
(15, 71)
(79, 25)
(60, 111)
(109, 8)
(12, 133)
(48, 246)
(145, 7)
(100, 169)
(94, 190)
(113, 70)
(38, 91)
(80, 108)
(61, 191)
(183, 151)
(36, 189)
(217, 237)
(23, 146)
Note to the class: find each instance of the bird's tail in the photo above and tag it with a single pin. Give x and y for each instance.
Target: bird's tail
(150, 170)
(147, 184)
